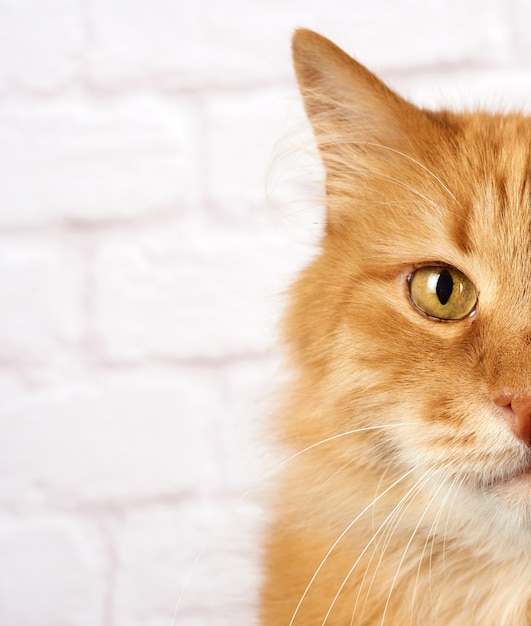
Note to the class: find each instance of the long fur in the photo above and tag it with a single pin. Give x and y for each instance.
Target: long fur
(408, 500)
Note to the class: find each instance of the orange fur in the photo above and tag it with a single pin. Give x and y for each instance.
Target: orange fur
(408, 501)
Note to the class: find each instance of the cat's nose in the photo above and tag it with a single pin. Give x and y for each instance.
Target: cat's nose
(518, 407)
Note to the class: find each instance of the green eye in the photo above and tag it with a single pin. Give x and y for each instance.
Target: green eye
(442, 292)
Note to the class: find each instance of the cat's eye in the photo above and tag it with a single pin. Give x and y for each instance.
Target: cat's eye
(442, 292)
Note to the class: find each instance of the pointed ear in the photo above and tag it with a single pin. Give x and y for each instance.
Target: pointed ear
(343, 100)
(367, 135)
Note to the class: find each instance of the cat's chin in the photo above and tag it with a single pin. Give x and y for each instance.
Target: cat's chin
(516, 488)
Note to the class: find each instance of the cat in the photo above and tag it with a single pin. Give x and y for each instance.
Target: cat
(407, 500)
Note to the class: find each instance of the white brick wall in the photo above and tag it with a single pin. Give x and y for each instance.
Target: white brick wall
(147, 231)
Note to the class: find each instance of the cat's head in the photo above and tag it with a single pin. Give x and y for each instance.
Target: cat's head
(414, 322)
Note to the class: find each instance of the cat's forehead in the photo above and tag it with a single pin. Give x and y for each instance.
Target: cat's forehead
(488, 221)
(492, 184)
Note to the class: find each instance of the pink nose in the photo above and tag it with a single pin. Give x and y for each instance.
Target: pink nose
(519, 413)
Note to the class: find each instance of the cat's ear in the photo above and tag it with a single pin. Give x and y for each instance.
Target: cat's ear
(363, 129)
(343, 100)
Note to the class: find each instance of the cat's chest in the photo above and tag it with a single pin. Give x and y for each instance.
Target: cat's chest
(475, 591)
(427, 581)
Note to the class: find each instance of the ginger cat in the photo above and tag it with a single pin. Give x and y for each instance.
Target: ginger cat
(408, 499)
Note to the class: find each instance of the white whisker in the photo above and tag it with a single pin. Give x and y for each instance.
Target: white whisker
(336, 542)
(397, 182)
(370, 542)
(409, 158)
(258, 482)
(448, 517)
(430, 534)
(389, 525)
(278, 467)
(406, 550)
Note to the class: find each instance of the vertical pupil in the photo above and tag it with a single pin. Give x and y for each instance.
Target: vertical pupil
(445, 286)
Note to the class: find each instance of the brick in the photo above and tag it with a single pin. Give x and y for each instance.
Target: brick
(256, 153)
(190, 290)
(203, 553)
(248, 455)
(520, 14)
(78, 158)
(40, 44)
(52, 571)
(239, 43)
(43, 291)
(406, 37)
(116, 437)
(174, 48)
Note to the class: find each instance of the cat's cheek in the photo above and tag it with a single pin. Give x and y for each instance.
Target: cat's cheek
(472, 441)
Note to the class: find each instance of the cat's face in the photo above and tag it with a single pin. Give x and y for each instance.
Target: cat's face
(415, 321)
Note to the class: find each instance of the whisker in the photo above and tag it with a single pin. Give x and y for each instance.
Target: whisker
(372, 449)
(405, 552)
(431, 533)
(382, 477)
(410, 158)
(278, 467)
(368, 545)
(336, 542)
(448, 517)
(375, 534)
(392, 521)
(258, 482)
(397, 182)
(405, 156)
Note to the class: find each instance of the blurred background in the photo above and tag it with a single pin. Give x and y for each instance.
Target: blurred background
(154, 207)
